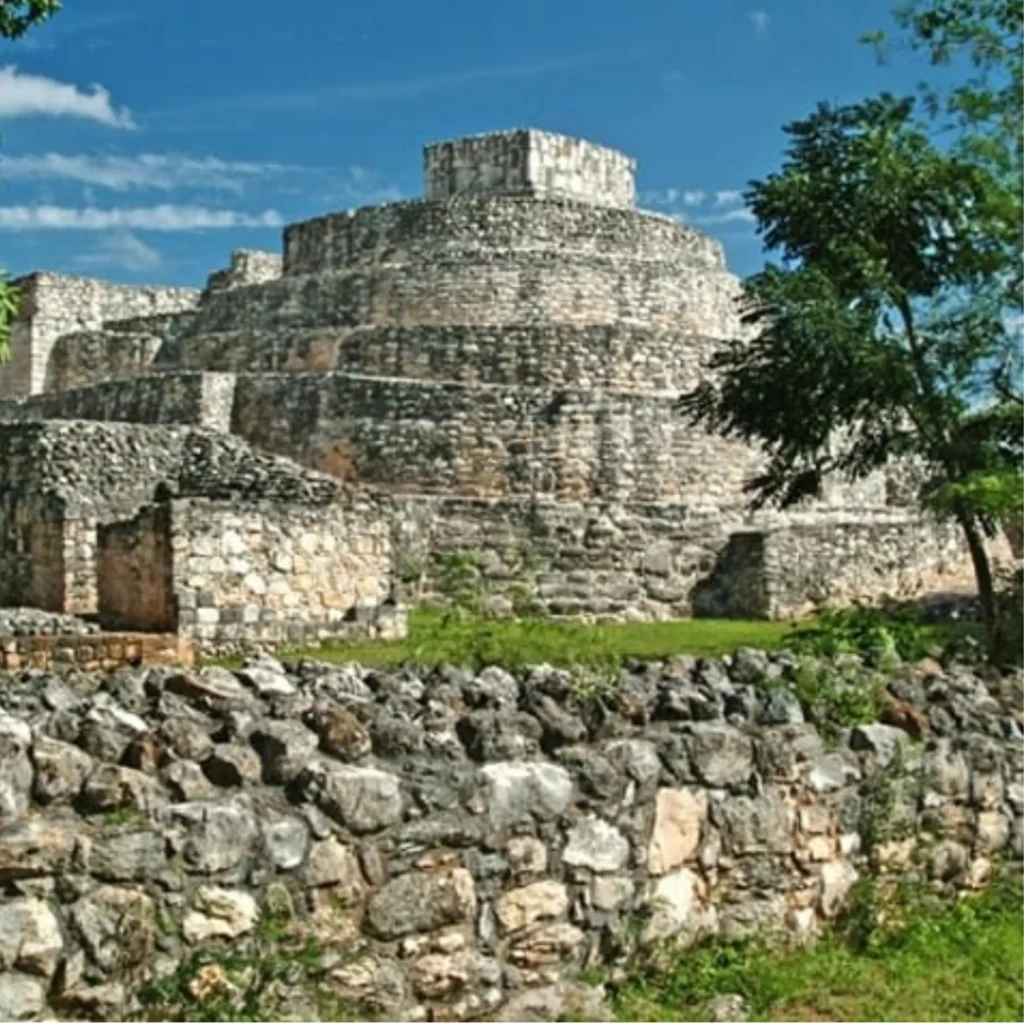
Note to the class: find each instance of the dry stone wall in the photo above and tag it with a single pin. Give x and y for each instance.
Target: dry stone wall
(259, 572)
(416, 436)
(315, 552)
(414, 230)
(661, 561)
(451, 845)
(55, 304)
(198, 399)
(633, 360)
(531, 162)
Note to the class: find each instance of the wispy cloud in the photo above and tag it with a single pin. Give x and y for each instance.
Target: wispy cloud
(671, 197)
(163, 171)
(165, 217)
(695, 205)
(760, 21)
(358, 186)
(728, 197)
(123, 250)
(26, 95)
(396, 88)
(740, 215)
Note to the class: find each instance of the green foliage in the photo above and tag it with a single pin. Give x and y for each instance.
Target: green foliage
(913, 958)
(18, 16)
(834, 697)
(877, 635)
(888, 328)
(257, 983)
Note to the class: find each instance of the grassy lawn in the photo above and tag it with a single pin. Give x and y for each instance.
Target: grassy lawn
(434, 638)
(959, 963)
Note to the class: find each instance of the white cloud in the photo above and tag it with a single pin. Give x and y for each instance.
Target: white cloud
(165, 217)
(164, 171)
(741, 214)
(23, 95)
(124, 250)
(728, 197)
(759, 19)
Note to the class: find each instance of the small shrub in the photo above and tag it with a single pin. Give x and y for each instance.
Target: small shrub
(878, 635)
(835, 696)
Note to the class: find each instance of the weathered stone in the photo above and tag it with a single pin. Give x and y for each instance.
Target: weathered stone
(526, 855)
(266, 680)
(187, 737)
(728, 1007)
(15, 768)
(596, 845)
(547, 944)
(361, 799)
(519, 908)
(30, 937)
(442, 975)
(332, 863)
(837, 879)
(21, 996)
(116, 926)
(231, 764)
(210, 687)
(678, 819)
(780, 707)
(636, 758)
(493, 688)
(217, 835)
(565, 1001)
(286, 841)
(882, 741)
(111, 787)
(517, 792)
(219, 914)
(610, 892)
(422, 901)
(720, 754)
(369, 981)
(341, 734)
(829, 772)
(35, 847)
(185, 780)
(754, 824)
(123, 856)
(674, 905)
(61, 769)
(107, 730)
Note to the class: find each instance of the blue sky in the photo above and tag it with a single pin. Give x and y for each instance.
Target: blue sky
(142, 140)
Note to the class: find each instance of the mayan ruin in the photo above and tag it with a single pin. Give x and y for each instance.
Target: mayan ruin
(490, 368)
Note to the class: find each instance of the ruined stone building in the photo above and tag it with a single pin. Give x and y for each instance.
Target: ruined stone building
(491, 368)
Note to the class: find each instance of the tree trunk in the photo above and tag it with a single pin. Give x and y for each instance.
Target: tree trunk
(986, 587)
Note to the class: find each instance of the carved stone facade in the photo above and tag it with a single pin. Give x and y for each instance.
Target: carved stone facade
(502, 354)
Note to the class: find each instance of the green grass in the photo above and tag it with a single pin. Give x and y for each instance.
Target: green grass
(436, 638)
(964, 962)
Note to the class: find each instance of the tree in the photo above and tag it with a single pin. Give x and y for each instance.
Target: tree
(889, 327)
(16, 18)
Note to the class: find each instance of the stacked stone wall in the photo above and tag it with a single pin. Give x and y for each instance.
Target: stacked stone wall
(261, 572)
(426, 437)
(459, 846)
(662, 561)
(198, 399)
(617, 358)
(530, 162)
(121, 348)
(501, 287)
(54, 304)
(412, 231)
